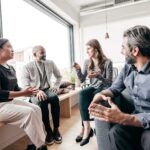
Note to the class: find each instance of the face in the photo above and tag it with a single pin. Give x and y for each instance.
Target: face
(41, 54)
(90, 51)
(129, 58)
(7, 52)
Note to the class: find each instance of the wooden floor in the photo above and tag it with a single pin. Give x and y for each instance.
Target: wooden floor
(69, 130)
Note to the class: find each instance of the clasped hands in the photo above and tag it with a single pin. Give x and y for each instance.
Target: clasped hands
(112, 114)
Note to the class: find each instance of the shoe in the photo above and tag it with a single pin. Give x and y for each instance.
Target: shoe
(43, 147)
(49, 139)
(57, 136)
(86, 140)
(31, 147)
(79, 138)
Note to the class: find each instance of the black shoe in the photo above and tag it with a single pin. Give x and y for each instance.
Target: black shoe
(31, 147)
(79, 138)
(43, 147)
(86, 140)
(49, 139)
(57, 136)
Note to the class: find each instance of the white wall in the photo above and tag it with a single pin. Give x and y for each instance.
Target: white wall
(93, 26)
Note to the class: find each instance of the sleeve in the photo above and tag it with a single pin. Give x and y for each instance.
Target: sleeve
(4, 94)
(109, 74)
(25, 78)
(144, 118)
(17, 88)
(118, 85)
(57, 75)
(82, 74)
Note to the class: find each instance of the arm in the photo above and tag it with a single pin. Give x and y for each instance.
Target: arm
(57, 76)
(17, 88)
(25, 79)
(25, 92)
(109, 74)
(82, 74)
(114, 114)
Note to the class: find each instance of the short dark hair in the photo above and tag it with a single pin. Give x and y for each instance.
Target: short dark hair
(139, 36)
(2, 42)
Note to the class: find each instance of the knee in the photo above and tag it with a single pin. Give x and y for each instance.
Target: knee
(145, 140)
(53, 99)
(29, 111)
(113, 131)
(83, 92)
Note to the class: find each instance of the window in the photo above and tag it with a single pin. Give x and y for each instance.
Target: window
(26, 26)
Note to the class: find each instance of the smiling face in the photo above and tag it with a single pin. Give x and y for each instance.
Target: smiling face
(6, 52)
(40, 53)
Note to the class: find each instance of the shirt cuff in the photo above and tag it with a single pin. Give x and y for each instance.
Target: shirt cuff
(144, 118)
(4, 94)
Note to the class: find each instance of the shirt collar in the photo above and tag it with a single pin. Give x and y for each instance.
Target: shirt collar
(146, 68)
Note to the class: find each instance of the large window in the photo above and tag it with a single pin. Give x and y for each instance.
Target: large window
(26, 26)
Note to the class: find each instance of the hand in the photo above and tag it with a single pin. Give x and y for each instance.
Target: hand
(53, 89)
(41, 96)
(97, 98)
(112, 114)
(92, 74)
(30, 91)
(76, 65)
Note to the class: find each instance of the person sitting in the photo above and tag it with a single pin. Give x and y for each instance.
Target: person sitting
(38, 74)
(98, 68)
(130, 131)
(17, 112)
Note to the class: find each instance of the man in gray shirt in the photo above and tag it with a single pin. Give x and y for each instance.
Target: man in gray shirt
(131, 131)
(38, 73)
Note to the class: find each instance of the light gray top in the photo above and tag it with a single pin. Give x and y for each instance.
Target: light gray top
(31, 75)
(104, 78)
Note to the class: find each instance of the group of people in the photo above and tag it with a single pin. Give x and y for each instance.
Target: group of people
(115, 130)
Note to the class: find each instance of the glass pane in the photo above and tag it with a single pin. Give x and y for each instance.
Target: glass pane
(26, 26)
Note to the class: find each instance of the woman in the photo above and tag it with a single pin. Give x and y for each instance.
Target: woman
(16, 112)
(98, 68)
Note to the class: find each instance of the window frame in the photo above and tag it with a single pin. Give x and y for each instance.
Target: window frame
(38, 4)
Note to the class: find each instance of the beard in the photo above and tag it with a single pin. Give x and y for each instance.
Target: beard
(43, 58)
(130, 59)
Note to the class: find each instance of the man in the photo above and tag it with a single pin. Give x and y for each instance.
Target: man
(38, 74)
(131, 131)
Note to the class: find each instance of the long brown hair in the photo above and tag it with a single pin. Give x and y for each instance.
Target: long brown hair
(100, 55)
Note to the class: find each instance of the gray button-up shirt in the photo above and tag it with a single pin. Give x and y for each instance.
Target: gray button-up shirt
(137, 84)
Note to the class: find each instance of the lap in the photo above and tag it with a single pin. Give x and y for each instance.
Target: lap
(15, 110)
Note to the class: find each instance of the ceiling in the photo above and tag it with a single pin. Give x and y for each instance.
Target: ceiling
(77, 4)
(88, 6)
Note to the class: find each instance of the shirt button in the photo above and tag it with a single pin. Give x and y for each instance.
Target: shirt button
(135, 86)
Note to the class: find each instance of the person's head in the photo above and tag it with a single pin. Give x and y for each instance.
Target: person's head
(6, 50)
(39, 52)
(94, 50)
(136, 43)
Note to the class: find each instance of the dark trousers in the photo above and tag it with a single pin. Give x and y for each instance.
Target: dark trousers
(85, 98)
(52, 99)
(129, 138)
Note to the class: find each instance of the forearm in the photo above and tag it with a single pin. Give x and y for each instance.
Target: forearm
(130, 120)
(81, 76)
(14, 94)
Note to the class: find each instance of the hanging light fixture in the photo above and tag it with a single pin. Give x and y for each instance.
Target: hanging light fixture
(106, 22)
